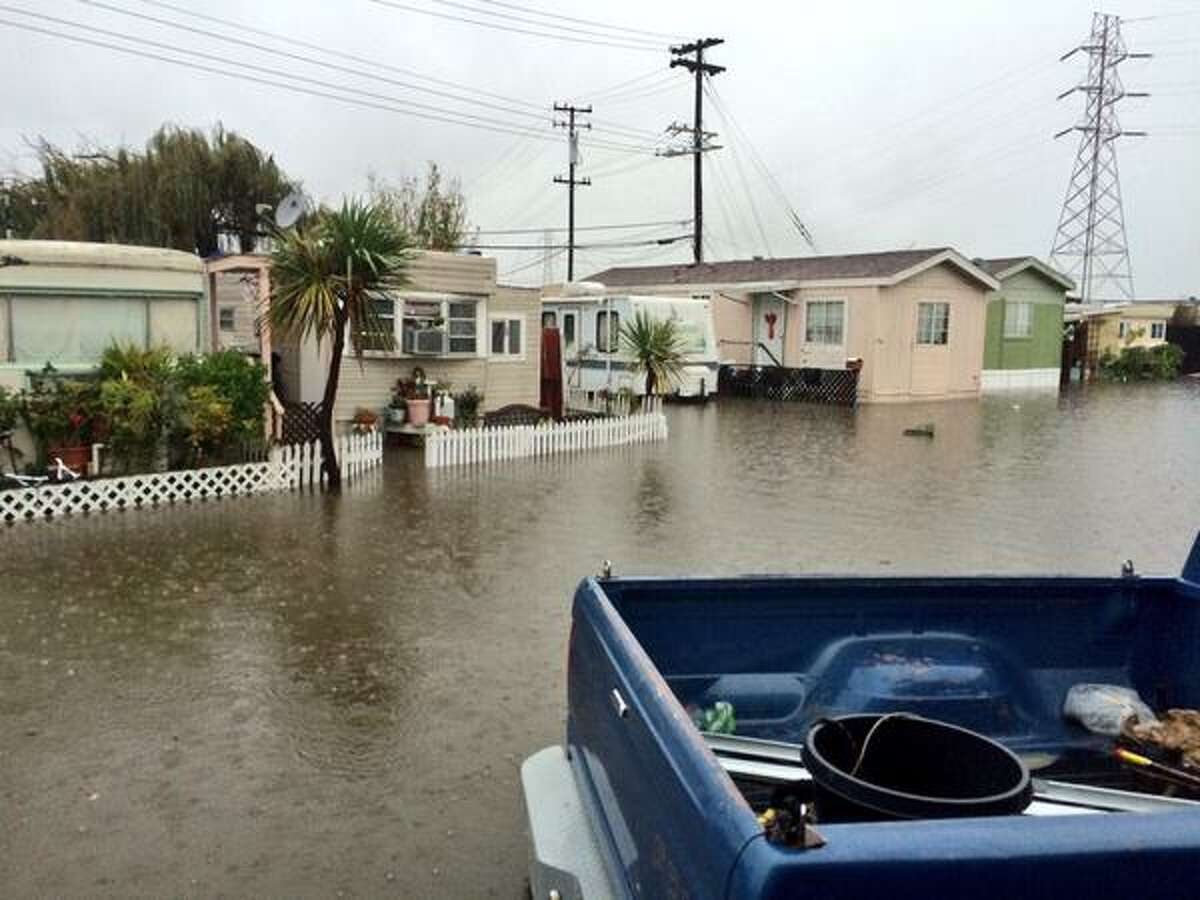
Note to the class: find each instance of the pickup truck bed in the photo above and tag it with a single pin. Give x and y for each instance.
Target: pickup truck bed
(666, 811)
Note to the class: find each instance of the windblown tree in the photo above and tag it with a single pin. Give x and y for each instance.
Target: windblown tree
(433, 212)
(184, 190)
(325, 272)
(656, 347)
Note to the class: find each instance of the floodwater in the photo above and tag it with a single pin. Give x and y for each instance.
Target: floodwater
(299, 695)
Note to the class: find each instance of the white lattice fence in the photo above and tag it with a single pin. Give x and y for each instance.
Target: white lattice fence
(483, 445)
(289, 467)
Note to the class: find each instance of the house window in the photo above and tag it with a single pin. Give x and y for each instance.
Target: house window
(1158, 330)
(507, 337)
(824, 321)
(1122, 329)
(933, 323)
(608, 331)
(549, 319)
(460, 316)
(226, 317)
(1018, 320)
(454, 318)
(379, 331)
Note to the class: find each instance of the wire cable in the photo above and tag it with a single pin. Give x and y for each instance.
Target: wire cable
(518, 7)
(527, 31)
(509, 17)
(612, 227)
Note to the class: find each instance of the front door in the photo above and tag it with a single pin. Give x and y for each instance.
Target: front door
(770, 320)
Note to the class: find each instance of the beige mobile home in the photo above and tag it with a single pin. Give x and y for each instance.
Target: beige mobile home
(915, 318)
(453, 321)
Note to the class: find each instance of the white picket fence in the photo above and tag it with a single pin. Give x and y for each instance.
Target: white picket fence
(484, 445)
(610, 404)
(287, 468)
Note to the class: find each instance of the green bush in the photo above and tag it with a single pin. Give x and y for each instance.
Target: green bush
(1158, 363)
(59, 412)
(207, 420)
(136, 411)
(236, 379)
(10, 410)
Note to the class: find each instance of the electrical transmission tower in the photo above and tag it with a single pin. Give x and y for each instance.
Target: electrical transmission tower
(1090, 243)
(699, 68)
(571, 181)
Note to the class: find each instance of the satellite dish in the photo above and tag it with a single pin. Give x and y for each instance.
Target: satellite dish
(290, 209)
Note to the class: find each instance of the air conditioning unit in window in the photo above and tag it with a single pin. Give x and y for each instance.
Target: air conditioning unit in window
(425, 342)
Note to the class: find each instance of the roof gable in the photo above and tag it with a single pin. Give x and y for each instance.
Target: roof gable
(1008, 266)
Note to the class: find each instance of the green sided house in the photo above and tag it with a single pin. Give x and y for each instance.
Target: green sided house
(1023, 340)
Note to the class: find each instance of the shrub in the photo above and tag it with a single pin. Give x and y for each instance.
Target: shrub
(59, 412)
(136, 412)
(236, 379)
(206, 420)
(1158, 363)
(10, 410)
(466, 406)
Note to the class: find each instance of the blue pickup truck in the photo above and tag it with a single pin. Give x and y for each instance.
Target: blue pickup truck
(639, 802)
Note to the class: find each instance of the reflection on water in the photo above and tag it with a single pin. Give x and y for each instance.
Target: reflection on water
(299, 695)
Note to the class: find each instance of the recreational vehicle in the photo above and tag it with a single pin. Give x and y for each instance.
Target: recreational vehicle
(589, 321)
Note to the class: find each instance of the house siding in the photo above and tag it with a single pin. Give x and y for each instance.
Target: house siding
(233, 294)
(1043, 348)
(899, 368)
(502, 381)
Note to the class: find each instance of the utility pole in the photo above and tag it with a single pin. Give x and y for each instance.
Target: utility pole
(699, 68)
(571, 181)
(1090, 244)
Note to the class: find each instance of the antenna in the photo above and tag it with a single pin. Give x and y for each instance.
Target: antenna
(291, 208)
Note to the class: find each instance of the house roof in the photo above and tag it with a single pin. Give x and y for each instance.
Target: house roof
(1008, 266)
(889, 267)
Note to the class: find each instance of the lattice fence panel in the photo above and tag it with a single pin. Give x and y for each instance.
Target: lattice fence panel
(838, 387)
(289, 467)
(301, 423)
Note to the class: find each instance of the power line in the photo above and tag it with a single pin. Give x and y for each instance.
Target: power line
(518, 7)
(500, 27)
(611, 227)
(645, 76)
(619, 130)
(514, 129)
(341, 54)
(646, 243)
(509, 17)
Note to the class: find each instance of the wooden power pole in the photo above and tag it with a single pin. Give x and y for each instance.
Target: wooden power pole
(571, 181)
(699, 68)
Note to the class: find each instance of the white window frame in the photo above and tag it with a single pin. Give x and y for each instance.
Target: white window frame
(1123, 329)
(507, 318)
(826, 301)
(1161, 327)
(612, 343)
(231, 311)
(400, 302)
(1024, 321)
(922, 342)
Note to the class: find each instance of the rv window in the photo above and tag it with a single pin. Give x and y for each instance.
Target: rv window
(568, 331)
(549, 319)
(933, 323)
(608, 331)
(506, 337)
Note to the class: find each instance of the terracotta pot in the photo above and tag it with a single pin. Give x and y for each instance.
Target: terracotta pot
(418, 411)
(74, 458)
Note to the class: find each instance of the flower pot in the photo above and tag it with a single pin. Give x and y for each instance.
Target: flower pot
(418, 411)
(396, 415)
(75, 458)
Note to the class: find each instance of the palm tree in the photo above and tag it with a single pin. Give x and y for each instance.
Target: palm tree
(656, 347)
(324, 274)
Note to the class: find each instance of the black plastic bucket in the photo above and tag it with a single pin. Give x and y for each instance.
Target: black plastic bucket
(869, 768)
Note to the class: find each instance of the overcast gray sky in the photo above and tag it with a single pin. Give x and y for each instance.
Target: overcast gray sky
(886, 125)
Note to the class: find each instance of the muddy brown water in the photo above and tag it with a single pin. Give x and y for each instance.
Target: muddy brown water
(300, 695)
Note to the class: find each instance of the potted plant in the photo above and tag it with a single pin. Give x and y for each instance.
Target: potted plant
(418, 402)
(365, 420)
(60, 414)
(397, 408)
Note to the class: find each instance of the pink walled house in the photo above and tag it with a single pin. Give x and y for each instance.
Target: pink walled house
(915, 318)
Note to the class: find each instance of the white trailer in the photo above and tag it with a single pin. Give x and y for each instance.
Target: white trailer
(589, 320)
